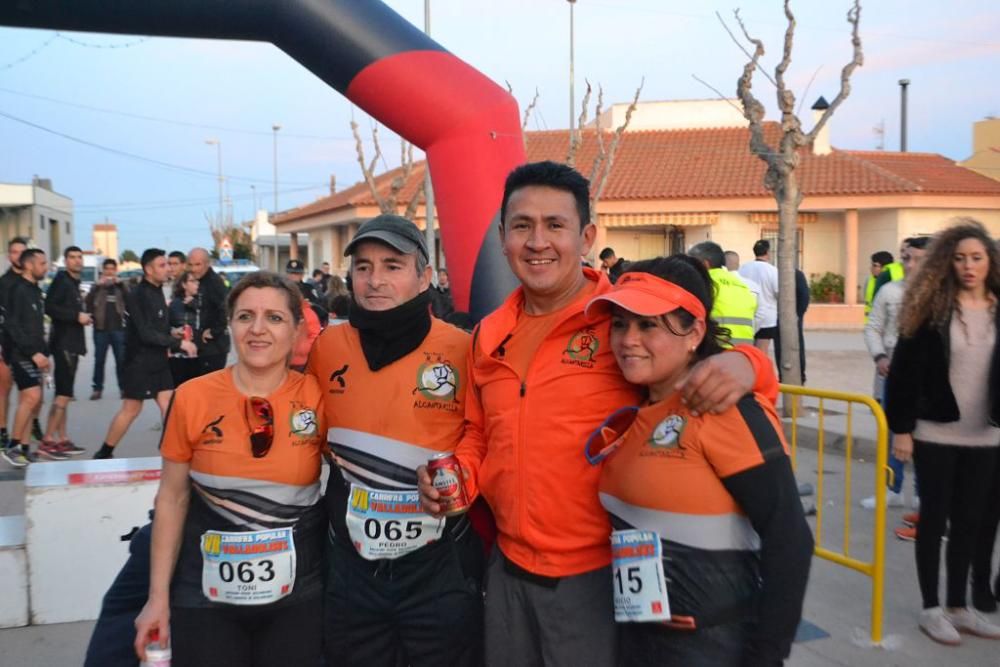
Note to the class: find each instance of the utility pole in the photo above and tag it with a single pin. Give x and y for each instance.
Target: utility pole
(277, 268)
(428, 188)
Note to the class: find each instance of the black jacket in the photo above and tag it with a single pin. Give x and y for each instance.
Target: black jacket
(24, 320)
(442, 304)
(615, 271)
(63, 304)
(147, 334)
(919, 386)
(7, 281)
(212, 312)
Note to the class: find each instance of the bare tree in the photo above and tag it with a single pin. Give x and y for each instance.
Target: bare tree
(783, 160)
(604, 160)
(389, 202)
(527, 114)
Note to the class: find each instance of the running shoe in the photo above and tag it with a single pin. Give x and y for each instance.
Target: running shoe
(906, 533)
(935, 624)
(36, 431)
(4, 440)
(51, 450)
(911, 519)
(966, 621)
(15, 457)
(892, 499)
(69, 448)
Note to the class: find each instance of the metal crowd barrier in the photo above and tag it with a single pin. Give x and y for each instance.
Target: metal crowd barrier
(875, 568)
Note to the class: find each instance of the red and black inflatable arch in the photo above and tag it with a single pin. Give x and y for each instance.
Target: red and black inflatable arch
(467, 125)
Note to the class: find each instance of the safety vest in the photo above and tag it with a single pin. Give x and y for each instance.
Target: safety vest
(896, 273)
(735, 306)
(869, 295)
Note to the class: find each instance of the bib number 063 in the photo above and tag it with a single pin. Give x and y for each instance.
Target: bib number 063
(393, 530)
(247, 572)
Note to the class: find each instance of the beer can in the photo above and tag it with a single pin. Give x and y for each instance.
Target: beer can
(188, 332)
(446, 476)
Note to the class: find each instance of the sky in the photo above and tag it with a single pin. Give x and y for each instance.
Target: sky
(120, 123)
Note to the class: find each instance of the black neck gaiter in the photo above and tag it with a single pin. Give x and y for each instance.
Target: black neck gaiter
(390, 335)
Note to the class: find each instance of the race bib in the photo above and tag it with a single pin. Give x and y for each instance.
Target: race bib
(247, 568)
(639, 585)
(389, 524)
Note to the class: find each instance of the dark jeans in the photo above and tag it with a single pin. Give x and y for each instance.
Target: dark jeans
(102, 339)
(954, 485)
(652, 644)
(114, 632)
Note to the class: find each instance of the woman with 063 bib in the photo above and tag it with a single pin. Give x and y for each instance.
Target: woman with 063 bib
(711, 549)
(238, 531)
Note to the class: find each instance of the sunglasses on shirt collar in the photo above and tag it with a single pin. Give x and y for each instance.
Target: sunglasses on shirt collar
(261, 424)
(610, 434)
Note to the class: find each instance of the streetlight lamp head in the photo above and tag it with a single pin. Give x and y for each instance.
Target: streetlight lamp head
(212, 142)
(276, 127)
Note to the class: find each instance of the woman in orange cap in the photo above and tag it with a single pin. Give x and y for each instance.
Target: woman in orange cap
(711, 548)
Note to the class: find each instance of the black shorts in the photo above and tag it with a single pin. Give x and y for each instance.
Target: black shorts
(766, 333)
(65, 372)
(140, 383)
(25, 373)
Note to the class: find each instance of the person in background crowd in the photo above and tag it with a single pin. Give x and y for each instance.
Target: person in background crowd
(534, 362)
(186, 318)
(733, 261)
(725, 511)
(442, 303)
(147, 346)
(879, 261)
(762, 272)
(881, 334)
(943, 404)
(176, 264)
(24, 326)
(106, 305)
(67, 343)
(734, 306)
(213, 343)
(294, 271)
(325, 280)
(893, 271)
(317, 282)
(394, 386)
(241, 470)
(612, 264)
(15, 247)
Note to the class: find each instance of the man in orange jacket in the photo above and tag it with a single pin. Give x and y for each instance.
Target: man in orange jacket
(542, 378)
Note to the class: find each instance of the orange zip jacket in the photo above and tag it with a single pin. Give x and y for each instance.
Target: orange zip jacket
(524, 438)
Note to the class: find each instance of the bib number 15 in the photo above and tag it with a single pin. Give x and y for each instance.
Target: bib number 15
(628, 580)
(393, 530)
(246, 572)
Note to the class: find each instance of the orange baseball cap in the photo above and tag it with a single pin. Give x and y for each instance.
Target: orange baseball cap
(645, 294)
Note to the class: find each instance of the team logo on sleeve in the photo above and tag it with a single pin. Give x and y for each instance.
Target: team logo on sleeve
(338, 380)
(303, 422)
(667, 434)
(437, 383)
(582, 348)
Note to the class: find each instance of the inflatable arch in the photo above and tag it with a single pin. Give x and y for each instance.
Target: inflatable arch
(467, 125)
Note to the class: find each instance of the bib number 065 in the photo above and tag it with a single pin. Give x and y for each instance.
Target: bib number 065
(247, 571)
(393, 530)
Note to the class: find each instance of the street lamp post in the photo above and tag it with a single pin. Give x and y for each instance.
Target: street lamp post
(572, 100)
(218, 146)
(274, 129)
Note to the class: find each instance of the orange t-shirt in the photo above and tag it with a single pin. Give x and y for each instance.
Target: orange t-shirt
(208, 427)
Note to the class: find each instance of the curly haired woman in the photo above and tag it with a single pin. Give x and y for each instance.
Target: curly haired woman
(943, 410)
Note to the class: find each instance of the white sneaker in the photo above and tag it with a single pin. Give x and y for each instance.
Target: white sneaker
(892, 499)
(936, 625)
(915, 502)
(967, 621)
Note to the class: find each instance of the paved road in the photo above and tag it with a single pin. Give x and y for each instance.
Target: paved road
(837, 605)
